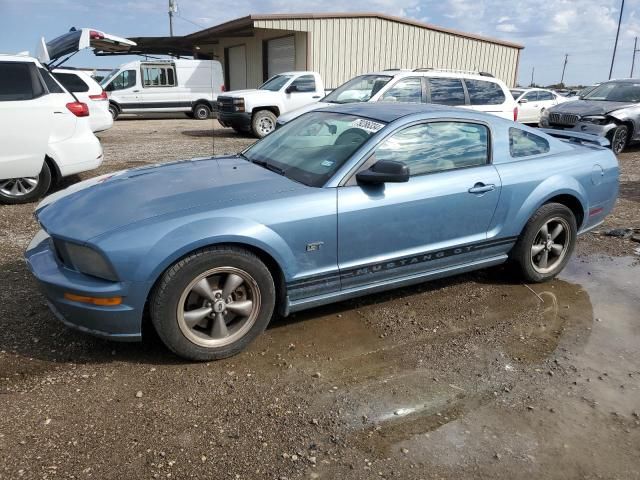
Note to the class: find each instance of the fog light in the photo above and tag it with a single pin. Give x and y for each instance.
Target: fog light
(100, 301)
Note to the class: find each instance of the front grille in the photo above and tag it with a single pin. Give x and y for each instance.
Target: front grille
(225, 104)
(564, 119)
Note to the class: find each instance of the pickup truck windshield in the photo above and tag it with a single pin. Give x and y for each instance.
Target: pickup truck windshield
(359, 89)
(275, 83)
(311, 148)
(628, 92)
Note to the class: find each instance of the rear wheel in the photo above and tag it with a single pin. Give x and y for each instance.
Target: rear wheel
(619, 138)
(25, 189)
(263, 123)
(546, 244)
(201, 111)
(213, 303)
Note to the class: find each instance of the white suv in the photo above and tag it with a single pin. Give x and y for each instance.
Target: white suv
(475, 90)
(87, 90)
(44, 131)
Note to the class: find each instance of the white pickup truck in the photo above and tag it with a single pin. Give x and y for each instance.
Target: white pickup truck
(256, 110)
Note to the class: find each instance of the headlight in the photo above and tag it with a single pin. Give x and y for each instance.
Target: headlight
(238, 104)
(85, 260)
(597, 119)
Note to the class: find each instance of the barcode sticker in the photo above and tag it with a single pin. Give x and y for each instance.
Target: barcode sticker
(367, 125)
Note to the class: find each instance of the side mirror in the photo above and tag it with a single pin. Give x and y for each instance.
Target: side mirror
(523, 100)
(291, 89)
(384, 171)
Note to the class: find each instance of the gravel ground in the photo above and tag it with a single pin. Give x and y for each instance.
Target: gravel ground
(476, 376)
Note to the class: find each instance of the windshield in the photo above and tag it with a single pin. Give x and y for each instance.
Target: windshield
(516, 93)
(359, 89)
(311, 148)
(275, 83)
(109, 76)
(615, 92)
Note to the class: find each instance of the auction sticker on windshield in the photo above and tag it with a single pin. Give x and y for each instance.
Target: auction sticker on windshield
(367, 125)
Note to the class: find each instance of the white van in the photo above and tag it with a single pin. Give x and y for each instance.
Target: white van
(189, 86)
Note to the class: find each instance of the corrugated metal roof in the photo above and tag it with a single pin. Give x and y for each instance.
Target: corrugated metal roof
(242, 24)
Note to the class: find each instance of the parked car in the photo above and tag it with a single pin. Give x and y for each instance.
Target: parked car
(165, 86)
(44, 131)
(341, 202)
(477, 91)
(533, 101)
(87, 90)
(611, 110)
(256, 110)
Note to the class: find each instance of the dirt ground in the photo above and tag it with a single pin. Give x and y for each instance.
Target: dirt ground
(473, 377)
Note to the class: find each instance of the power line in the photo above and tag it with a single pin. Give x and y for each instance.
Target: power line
(615, 45)
(190, 21)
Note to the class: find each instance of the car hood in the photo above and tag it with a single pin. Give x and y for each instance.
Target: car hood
(589, 107)
(244, 93)
(99, 205)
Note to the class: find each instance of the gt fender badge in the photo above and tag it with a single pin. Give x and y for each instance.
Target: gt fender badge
(312, 247)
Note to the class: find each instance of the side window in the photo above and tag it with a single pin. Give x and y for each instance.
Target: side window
(407, 90)
(52, 85)
(19, 81)
(446, 91)
(158, 76)
(525, 144)
(482, 92)
(545, 96)
(305, 83)
(125, 79)
(437, 146)
(531, 97)
(71, 82)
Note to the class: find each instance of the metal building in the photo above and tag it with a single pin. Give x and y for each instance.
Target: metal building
(342, 45)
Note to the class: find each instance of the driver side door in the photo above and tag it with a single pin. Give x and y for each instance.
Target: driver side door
(437, 219)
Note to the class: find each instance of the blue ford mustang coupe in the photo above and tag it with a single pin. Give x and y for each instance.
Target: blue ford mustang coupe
(341, 202)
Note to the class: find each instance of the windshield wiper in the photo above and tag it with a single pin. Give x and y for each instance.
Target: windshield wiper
(269, 166)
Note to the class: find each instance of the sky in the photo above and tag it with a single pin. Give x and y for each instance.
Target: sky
(549, 29)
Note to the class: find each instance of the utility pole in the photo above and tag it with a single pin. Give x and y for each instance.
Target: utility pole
(615, 45)
(173, 8)
(533, 70)
(564, 67)
(633, 60)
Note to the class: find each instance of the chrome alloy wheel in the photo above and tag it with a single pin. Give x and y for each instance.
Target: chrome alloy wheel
(219, 307)
(619, 140)
(266, 126)
(18, 187)
(550, 245)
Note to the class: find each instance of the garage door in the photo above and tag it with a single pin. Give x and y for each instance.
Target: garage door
(237, 65)
(281, 55)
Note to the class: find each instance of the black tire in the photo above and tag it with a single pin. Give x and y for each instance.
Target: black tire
(522, 254)
(114, 111)
(189, 115)
(239, 131)
(619, 137)
(166, 300)
(201, 111)
(263, 123)
(43, 183)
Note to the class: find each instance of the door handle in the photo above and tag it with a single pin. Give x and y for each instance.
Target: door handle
(316, 96)
(482, 188)
(136, 91)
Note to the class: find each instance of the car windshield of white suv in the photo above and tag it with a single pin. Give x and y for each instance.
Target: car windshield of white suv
(615, 92)
(275, 83)
(359, 89)
(311, 148)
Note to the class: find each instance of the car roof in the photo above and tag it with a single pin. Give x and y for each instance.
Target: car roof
(399, 72)
(390, 111)
(5, 57)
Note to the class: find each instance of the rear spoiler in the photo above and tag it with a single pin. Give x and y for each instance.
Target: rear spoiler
(577, 137)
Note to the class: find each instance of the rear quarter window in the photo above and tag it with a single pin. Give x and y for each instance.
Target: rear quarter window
(526, 144)
(72, 82)
(19, 81)
(484, 93)
(52, 85)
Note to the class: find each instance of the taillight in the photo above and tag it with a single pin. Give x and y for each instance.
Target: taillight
(515, 114)
(102, 96)
(95, 35)
(79, 109)
(223, 88)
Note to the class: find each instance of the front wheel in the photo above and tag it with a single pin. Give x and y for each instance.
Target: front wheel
(213, 303)
(201, 111)
(114, 111)
(546, 244)
(619, 138)
(26, 189)
(263, 123)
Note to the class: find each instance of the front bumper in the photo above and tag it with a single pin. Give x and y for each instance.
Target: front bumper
(581, 127)
(121, 322)
(237, 120)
